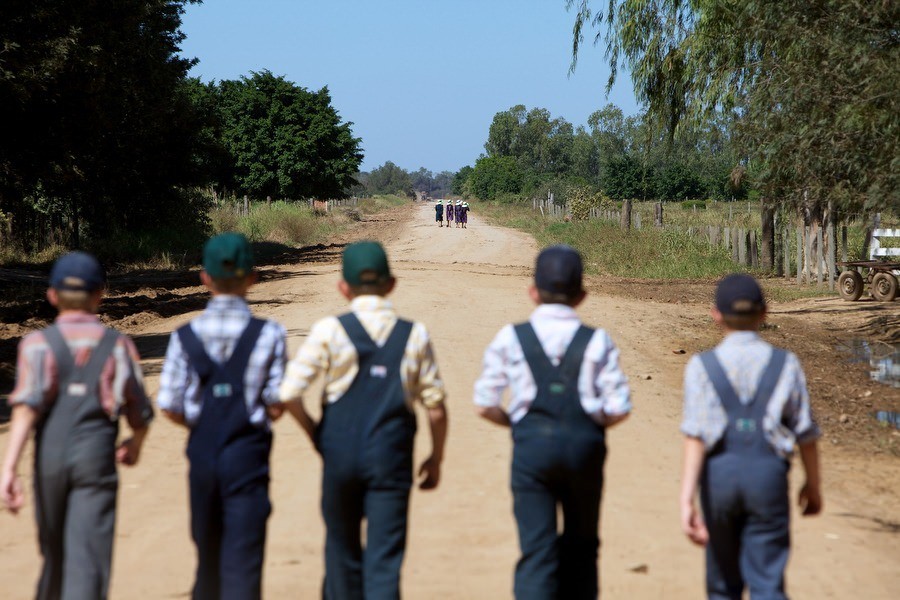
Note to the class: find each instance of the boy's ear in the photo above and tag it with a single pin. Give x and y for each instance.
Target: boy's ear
(52, 297)
(534, 294)
(205, 279)
(344, 288)
(716, 315)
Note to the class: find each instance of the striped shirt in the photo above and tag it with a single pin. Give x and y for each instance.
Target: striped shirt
(121, 384)
(219, 327)
(329, 350)
(602, 385)
(744, 356)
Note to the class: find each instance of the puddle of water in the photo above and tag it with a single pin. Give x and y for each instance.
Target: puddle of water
(888, 417)
(882, 358)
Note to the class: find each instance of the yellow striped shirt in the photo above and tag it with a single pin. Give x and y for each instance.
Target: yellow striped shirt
(328, 349)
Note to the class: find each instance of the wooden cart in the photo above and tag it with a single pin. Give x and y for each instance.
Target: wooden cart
(878, 275)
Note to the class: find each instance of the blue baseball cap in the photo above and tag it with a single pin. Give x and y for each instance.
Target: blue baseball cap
(739, 294)
(77, 272)
(558, 269)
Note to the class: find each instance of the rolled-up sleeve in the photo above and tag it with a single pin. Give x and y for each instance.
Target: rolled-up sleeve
(128, 385)
(695, 402)
(35, 374)
(428, 386)
(174, 379)
(798, 415)
(275, 372)
(311, 359)
(494, 378)
(613, 394)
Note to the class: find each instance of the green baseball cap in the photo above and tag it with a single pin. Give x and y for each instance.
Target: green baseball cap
(365, 262)
(227, 255)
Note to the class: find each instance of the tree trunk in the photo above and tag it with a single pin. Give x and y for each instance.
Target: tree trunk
(626, 215)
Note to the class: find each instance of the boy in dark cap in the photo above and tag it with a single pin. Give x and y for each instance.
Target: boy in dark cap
(745, 408)
(439, 213)
(220, 379)
(376, 368)
(566, 389)
(73, 381)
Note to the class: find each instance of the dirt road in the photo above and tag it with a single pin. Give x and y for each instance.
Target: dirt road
(465, 284)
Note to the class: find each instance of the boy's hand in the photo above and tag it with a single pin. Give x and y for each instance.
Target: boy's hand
(692, 525)
(431, 470)
(128, 452)
(274, 411)
(810, 500)
(11, 490)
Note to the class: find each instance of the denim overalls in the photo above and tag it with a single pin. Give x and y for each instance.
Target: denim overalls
(558, 455)
(744, 494)
(366, 442)
(229, 475)
(75, 478)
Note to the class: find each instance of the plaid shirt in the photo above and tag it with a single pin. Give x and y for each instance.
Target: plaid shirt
(744, 356)
(329, 350)
(121, 385)
(602, 385)
(219, 327)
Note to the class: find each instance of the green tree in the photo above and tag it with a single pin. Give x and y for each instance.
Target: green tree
(284, 140)
(460, 180)
(811, 85)
(495, 175)
(390, 179)
(97, 134)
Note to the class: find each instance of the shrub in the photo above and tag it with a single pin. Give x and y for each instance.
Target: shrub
(692, 204)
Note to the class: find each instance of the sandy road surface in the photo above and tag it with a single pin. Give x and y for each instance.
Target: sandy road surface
(465, 284)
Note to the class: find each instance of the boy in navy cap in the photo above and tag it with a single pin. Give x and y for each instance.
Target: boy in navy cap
(745, 408)
(220, 379)
(566, 389)
(73, 381)
(376, 366)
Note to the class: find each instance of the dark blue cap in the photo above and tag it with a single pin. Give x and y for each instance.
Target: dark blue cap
(558, 269)
(77, 271)
(739, 294)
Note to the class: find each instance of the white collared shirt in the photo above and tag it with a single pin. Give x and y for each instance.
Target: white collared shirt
(601, 384)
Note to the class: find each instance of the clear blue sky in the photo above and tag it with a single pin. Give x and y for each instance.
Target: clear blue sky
(420, 80)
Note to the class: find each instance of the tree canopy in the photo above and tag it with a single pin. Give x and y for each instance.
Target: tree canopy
(96, 131)
(811, 85)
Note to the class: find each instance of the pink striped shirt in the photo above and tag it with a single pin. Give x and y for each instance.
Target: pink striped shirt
(121, 380)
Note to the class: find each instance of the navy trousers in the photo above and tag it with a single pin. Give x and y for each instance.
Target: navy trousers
(558, 457)
(229, 476)
(366, 442)
(744, 495)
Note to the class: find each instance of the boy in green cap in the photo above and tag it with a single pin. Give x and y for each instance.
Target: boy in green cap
(220, 379)
(376, 367)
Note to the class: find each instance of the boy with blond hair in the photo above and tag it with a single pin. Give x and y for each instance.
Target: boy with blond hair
(73, 381)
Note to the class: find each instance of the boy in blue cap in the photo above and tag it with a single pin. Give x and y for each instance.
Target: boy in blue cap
(220, 379)
(566, 389)
(73, 381)
(376, 366)
(745, 408)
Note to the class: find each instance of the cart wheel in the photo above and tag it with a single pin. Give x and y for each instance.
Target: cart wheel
(850, 285)
(884, 287)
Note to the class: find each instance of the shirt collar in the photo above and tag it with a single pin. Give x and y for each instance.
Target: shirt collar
(226, 302)
(740, 337)
(370, 303)
(554, 311)
(78, 317)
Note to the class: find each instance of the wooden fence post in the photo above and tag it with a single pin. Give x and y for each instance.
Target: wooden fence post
(754, 250)
(829, 258)
(807, 254)
(800, 247)
(658, 221)
(246, 206)
(786, 242)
